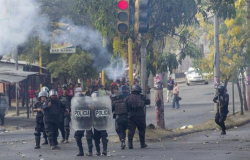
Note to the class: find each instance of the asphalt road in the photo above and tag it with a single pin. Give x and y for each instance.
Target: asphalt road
(208, 145)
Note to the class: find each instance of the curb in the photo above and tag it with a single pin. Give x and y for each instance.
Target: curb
(197, 128)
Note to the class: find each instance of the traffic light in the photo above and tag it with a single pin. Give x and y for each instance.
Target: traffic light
(123, 16)
(141, 16)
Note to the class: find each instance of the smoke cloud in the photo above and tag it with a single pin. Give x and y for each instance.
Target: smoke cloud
(116, 69)
(20, 19)
(17, 20)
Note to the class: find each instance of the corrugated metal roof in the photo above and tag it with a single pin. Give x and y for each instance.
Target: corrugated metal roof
(13, 76)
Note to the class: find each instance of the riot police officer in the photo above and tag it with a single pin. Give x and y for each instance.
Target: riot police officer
(52, 109)
(65, 117)
(100, 134)
(120, 110)
(42, 96)
(222, 100)
(89, 136)
(136, 118)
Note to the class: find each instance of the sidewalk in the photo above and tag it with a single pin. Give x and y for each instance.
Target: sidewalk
(21, 122)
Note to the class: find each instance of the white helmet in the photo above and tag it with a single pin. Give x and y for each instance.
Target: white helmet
(42, 94)
(46, 89)
(52, 92)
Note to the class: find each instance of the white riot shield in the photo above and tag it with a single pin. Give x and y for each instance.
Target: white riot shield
(81, 113)
(4, 107)
(102, 118)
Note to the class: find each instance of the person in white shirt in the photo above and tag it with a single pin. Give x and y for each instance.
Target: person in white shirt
(78, 90)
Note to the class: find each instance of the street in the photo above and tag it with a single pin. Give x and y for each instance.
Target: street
(196, 107)
(198, 146)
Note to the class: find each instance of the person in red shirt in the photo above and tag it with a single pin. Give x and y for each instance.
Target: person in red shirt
(70, 91)
(32, 95)
(59, 90)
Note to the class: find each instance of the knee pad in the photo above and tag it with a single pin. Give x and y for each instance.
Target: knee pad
(105, 140)
(37, 134)
(50, 134)
(78, 139)
(67, 129)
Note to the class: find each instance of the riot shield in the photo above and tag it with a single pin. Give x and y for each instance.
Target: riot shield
(3, 106)
(81, 114)
(102, 118)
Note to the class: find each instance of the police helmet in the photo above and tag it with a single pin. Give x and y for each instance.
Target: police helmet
(52, 92)
(116, 96)
(65, 86)
(46, 89)
(221, 89)
(80, 95)
(95, 94)
(43, 94)
(136, 88)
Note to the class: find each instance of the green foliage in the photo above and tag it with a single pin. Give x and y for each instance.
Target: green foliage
(73, 66)
(224, 8)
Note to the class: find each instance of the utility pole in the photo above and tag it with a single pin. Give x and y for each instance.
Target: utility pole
(17, 83)
(130, 63)
(216, 56)
(247, 82)
(103, 78)
(40, 60)
(143, 65)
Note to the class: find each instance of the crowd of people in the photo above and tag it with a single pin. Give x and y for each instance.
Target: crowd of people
(54, 114)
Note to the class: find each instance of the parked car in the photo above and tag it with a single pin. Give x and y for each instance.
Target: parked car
(193, 76)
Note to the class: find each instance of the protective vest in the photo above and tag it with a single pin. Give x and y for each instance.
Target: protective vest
(135, 101)
(39, 105)
(52, 113)
(65, 100)
(120, 107)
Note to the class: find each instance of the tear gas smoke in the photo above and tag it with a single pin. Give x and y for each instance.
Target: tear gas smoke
(20, 19)
(116, 69)
(17, 20)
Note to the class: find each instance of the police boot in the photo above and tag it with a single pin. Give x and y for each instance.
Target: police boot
(142, 141)
(62, 140)
(51, 140)
(90, 146)
(37, 139)
(63, 136)
(56, 143)
(45, 141)
(123, 145)
(130, 143)
(105, 146)
(223, 132)
(79, 144)
(98, 150)
(67, 136)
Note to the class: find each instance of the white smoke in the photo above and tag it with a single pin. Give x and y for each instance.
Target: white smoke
(18, 18)
(116, 69)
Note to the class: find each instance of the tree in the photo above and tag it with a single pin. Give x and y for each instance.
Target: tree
(233, 59)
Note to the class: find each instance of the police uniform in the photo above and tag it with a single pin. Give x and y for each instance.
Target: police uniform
(136, 117)
(51, 118)
(39, 126)
(120, 110)
(65, 118)
(222, 108)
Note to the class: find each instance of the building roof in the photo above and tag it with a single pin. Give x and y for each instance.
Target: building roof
(13, 76)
